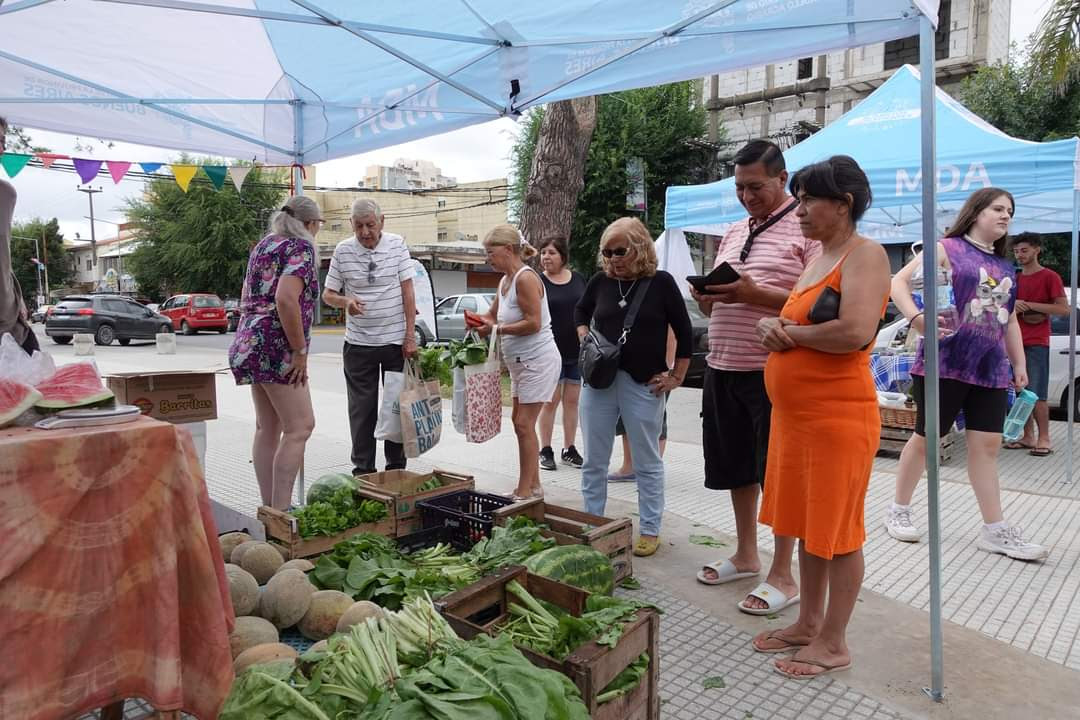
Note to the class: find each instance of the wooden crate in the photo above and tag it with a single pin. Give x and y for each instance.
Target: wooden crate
(614, 538)
(483, 606)
(403, 484)
(283, 530)
(893, 440)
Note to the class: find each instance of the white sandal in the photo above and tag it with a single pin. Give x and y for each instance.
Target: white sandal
(774, 600)
(725, 572)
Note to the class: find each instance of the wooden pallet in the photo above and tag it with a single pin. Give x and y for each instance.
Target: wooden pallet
(483, 606)
(893, 440)
(403, 484)
(568, 526)
(283, 531)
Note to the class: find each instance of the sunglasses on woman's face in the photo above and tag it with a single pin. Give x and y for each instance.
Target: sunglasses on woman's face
(614, 252)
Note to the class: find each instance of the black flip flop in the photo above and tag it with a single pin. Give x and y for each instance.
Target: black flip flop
(1041, 452)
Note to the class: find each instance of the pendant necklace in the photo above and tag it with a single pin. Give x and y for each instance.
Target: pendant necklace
(622, 295)
(979, 245)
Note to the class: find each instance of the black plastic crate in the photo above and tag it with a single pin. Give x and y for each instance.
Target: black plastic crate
(423, 539)
(466, 515)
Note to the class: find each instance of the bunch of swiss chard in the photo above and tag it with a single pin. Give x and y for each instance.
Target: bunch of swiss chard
(511, 544)
(470, 351)
(432, 366)
(340, 511)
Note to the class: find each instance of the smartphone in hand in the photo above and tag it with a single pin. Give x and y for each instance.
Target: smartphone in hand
(722, 274)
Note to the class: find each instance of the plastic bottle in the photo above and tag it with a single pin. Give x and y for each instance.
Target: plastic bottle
(948, 314)
(1018, 415)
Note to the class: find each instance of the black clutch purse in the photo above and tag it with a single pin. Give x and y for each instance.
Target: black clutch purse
(826, 307)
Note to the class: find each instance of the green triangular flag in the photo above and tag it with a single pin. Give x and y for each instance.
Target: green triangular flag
(13, 163)
(216, 173)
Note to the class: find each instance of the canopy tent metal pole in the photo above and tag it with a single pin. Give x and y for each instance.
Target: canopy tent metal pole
(1072, 333)
(936, 691)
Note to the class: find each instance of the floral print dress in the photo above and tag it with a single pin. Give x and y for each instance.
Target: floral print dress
(260, 352)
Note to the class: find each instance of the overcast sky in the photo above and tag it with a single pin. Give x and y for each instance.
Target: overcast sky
(480, 152)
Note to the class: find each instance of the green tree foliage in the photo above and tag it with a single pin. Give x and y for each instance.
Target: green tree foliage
(1055, 49)
(659, 124)
(24, 248)
(199, 241)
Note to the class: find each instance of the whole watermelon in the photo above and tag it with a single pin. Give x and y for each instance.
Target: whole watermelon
(577, 565)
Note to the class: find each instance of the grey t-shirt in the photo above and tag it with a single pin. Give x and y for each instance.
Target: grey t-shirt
(12, 319)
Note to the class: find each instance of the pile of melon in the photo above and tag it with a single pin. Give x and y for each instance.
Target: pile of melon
(270, 594)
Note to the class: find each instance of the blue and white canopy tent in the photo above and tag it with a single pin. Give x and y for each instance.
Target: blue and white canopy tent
(303, 81)
(882, 134)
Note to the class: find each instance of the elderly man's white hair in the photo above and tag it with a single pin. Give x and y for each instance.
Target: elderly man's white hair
(363, 207)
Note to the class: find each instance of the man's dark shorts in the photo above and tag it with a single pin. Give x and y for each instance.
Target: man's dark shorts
(735, 413)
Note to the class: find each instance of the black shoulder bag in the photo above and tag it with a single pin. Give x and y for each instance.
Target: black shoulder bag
(599, 357)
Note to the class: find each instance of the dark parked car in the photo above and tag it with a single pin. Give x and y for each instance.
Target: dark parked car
(699, 323)
(232, 313)
(106, 317)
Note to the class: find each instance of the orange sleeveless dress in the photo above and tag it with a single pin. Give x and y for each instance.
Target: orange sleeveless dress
(824, 435)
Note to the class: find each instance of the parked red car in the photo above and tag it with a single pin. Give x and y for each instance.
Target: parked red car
(195, 311)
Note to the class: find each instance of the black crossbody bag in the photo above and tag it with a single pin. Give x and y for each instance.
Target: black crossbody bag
(599, 357)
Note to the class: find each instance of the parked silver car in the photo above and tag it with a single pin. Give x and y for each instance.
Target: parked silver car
(450, 314)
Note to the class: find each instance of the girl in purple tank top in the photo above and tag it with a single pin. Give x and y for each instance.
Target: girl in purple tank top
(978, 361)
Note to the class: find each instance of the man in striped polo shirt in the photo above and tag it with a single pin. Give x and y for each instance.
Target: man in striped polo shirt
(370, 277)
(770, 253)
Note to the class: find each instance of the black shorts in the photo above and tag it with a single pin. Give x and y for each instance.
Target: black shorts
(735, 413)
(984, 408)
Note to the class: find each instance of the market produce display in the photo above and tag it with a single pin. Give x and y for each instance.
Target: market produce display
(72, 386)
(339, 511)
(15, 399)
(577, 565)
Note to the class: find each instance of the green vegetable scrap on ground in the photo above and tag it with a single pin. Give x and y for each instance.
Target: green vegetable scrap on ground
(337, 513)
(707, 540)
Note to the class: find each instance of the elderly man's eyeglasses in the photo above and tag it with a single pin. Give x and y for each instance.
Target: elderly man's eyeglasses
(371, 272)
(614, 252)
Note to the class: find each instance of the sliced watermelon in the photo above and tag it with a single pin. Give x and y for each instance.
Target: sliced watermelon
(15, 399)
(72, 386)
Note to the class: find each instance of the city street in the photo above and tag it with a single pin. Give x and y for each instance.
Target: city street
(1011, 628)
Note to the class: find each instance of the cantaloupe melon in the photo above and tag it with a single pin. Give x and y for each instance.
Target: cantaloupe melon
(282, 551)
(287, 598)
(240, 550)
(321, 619)
(260, 654)
(262, 561)
(229, 541)
(249, 632)
(243, 590)
(358, 612)
(298, 564)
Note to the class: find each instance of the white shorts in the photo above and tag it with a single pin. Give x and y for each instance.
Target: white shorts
(534, 379)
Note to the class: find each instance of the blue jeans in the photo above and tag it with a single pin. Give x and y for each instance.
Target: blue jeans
(642, 413)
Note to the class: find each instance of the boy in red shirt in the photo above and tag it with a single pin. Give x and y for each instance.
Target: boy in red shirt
(1040, 294)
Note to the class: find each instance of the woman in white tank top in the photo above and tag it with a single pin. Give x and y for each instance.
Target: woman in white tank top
(520, 316)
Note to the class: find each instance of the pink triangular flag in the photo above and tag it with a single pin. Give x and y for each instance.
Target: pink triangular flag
(238, 173)
(117, 169)
(47, 159)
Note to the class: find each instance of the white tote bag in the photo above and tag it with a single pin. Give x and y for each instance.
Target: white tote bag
(421, 413)
(388, 426)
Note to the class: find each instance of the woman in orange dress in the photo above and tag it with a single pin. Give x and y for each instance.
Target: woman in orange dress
(825, 423)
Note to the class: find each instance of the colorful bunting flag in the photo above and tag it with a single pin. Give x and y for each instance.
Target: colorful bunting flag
(183, 174)
(150, 168)
(216, 173)
(117, 169)
(87, 169)
(14, 162)
(47, 159)
(238, 173)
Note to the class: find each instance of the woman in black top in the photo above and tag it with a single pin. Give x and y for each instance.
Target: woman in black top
(564, 288)
(628, 259)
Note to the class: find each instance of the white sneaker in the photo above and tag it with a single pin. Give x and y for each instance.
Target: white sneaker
(1008, 541)
(899, 525)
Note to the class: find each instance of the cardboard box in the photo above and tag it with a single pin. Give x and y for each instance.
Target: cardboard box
(178, 396)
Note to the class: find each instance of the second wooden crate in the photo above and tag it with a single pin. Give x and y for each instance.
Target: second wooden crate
(282, 529)
(483, 606)
(568, 526)
(404, 486)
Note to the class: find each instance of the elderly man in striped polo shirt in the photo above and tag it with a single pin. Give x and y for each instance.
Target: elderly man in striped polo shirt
(370, 277)
(769, 252)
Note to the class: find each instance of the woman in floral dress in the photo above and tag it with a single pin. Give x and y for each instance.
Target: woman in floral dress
(270, 351)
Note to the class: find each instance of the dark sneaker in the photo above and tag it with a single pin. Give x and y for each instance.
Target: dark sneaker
(571, 457)
(547, 458)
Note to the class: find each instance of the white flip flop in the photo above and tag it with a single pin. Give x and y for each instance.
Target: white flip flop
(725, 572)
(771, 596)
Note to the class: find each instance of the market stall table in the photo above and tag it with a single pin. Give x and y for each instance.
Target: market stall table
(111, 580)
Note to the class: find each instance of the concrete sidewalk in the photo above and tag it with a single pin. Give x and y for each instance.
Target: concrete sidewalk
(1011, 627)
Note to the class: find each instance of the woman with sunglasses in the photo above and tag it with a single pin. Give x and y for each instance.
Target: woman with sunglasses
(628, 262)
(270, 349)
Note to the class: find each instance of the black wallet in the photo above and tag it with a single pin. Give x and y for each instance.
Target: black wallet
(722, 274)
(826, 307)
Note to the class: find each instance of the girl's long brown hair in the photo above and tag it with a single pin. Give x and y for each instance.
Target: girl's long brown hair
(975, 204)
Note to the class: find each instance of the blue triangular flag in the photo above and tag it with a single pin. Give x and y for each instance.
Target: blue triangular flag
(149, 168)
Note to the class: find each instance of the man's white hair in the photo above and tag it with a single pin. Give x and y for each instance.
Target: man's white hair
(364, 206)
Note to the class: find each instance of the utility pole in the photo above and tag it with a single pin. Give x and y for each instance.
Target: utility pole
(45, 261)
(93, 239)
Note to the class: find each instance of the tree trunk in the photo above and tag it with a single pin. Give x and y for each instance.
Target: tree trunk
(558, 169)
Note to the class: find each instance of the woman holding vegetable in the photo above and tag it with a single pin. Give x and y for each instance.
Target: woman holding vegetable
(270, 349)
(521, 318)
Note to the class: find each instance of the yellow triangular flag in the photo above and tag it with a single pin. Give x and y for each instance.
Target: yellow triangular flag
(183, 174)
